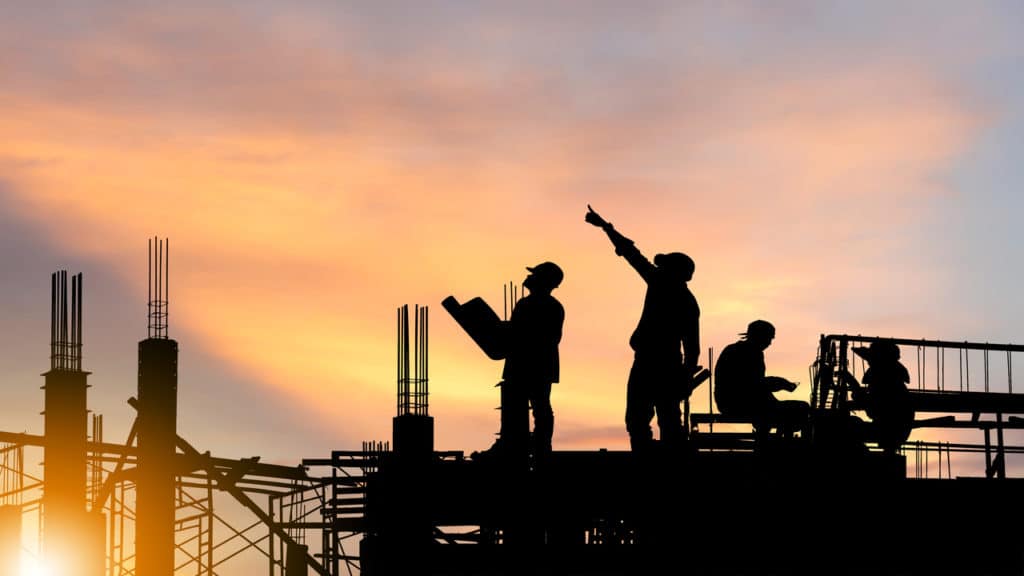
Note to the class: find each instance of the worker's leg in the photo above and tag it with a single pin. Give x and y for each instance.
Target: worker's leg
(670, 416)
(543, 418)
(515, 419)
(639, 407)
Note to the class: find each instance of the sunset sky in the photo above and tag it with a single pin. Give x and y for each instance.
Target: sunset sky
(831, 167)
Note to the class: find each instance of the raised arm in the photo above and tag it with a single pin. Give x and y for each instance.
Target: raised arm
(623, 246)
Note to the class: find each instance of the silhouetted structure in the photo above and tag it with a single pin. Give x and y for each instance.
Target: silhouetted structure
(157, 425)
(69, 526)
(413, 426)
(799, 508)
(661, 377)
(826, 503)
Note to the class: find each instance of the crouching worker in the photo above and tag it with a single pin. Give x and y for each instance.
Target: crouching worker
(743, 391)
(885, 397)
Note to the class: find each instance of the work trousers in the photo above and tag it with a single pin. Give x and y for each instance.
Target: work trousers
(654, 387)
(517, 398)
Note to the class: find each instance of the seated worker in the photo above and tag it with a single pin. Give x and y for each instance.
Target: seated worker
(742, 390)
(886, 399)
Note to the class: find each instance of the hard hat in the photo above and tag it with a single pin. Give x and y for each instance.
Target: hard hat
(549, 272)
(676, 261)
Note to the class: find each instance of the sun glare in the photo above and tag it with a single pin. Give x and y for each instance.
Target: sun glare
(31, 566)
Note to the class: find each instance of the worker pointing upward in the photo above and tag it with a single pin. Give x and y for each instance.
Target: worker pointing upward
(670, 318)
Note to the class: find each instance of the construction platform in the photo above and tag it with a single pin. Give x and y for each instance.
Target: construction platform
(784, 509)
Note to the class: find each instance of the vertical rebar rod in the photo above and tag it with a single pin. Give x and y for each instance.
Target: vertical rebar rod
(943, 370)
(65, 337)
(984, 356)
(1000, 447)
(160, 300)
(403, 352)
(159, 284)
(419, 359)
(711, 381)
(967, 367)
(78, 352)
(408, 359)
(155, 310)
(988, 453)
(924, 368)
(405, 336)
(63, 319)
(415, 384)
(418, 345)
(167, 289)
(1009, 371)
(843, 363)
(423, 377)
(398, 361)
(149, 289)
(916, 459)
(53, 321)
(949, 466)
(426, 360)
(415, 369)
(960, 356)
(60, 322)
(423, 343)
(74, 328)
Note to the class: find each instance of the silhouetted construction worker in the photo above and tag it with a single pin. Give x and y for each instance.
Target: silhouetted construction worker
(531, 366)
(743, 391)
(886, 398)
(661, 374)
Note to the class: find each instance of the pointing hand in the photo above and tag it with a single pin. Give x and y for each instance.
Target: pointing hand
(595, 218)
